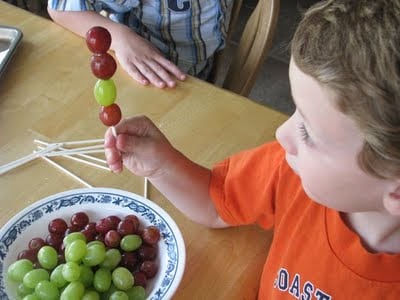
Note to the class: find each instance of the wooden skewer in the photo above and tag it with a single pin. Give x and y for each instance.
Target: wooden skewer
(72, 152)
(146, 191)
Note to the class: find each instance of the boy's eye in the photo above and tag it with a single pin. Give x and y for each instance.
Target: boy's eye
(303, 132)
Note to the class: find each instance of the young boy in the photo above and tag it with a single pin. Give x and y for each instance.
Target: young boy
(155, 42)
(330, 186)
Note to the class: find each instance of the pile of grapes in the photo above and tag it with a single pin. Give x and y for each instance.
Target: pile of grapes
(112, 258)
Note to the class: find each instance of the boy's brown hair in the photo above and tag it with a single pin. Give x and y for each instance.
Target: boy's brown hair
(353, 48)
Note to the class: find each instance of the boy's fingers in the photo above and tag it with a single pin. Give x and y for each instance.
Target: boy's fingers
(172, 68)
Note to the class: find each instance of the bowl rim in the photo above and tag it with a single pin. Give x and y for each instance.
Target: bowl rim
(141, 206)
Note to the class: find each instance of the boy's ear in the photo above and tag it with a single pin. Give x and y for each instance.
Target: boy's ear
(391, 201)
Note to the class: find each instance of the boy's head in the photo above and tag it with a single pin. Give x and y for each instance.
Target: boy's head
(353, 48)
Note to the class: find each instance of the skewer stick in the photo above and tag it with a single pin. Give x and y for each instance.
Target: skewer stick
(67, 172)
(103, 161)
(146, 188)
(80, 142)
(93, 164)
(113, 131)
(72, 152)
(16, 163)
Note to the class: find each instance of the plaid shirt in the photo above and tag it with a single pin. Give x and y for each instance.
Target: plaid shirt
(188, 32)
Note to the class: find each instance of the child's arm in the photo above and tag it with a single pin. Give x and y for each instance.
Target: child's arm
(144, 150)
(137, 56)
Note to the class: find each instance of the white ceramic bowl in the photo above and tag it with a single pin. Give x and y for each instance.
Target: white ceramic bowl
(97, 203)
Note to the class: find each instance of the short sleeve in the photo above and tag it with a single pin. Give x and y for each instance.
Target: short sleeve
(70, 5)
(244, 186)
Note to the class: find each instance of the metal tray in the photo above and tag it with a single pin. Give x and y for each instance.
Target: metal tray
(10, 37)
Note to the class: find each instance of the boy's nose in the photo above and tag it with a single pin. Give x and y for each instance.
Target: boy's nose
(285, 135)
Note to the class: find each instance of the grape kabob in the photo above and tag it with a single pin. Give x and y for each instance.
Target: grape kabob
(103, 66)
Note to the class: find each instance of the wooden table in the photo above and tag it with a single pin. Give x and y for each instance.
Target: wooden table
(46, 93)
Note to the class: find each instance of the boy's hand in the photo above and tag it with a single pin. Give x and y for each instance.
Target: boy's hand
(143, 61)
(140, 146)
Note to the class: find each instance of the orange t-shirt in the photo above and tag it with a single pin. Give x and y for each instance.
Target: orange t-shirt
(314, 255)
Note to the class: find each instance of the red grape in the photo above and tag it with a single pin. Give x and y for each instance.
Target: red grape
(103, 65)
(80, 220)
(114, 221)
(36, 243)
(54, 240)
(146, 252)
(28, 254)
(151, 235)
(57, 226)
(98, 39)
(112, 239)
(110, 115)
(149, 268)
(103, 225)
(129, 260)
(126, 227)
(140, 279)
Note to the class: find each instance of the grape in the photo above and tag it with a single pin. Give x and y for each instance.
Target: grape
(36, 243)
(122, 278)
(112, 239)
(147, 252)
(105, 92)
(57, 277)
(91, 295)
(114, 220)
(17, 270)
(131, 242)
(129, 260)
(86, 276)
(47, 257)
(72, 228)
(71, 271)
(54, 240)
(75, 251)
(103, 65)
(98, 39)
(126, 226)
(47, 290)
(104, 225)
(22, 290)
(136, 293)
(110, 115)
(74, 290)
(140, 279)
(95, 255)
(102, 280)
(151, 235)
(57, 226)
(80, 219)
(119, 295)
(29, 254)
(149, 268)
(113, 257)
(32, 278)
(68, 239)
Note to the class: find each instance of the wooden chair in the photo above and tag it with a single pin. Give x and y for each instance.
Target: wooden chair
(253, 46)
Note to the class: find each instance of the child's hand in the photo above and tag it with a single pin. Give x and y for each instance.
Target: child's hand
(143, 61)
(140, 146)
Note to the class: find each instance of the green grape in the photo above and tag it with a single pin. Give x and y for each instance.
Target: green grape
(136, 293)
(95, 255)
(113, 257)
(119, 295)
(32, 278)
(102, 280)
(105, 92)
(86, 276)
(91, 295)
(71, 271)
(106, 295)
(95, 243)
(17, 270)
(47, 257)
(74, 290)
(131, 242)
(47, 290)
(31, 297)
(68, 239)
(75, 250)
(122, 278)
(57, 277)
(23, 290)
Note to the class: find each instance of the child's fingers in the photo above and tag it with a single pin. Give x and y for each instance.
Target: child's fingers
(162, 73)
(171, 68)
(109, 139)
(148, 72)
(134, 72)
(113, 158)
